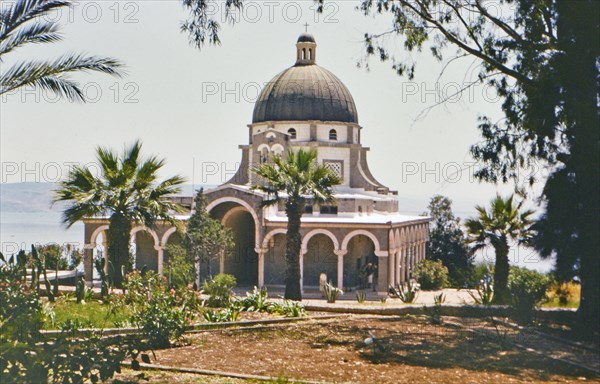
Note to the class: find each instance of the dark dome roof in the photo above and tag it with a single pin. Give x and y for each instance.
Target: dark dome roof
(306, 38)
(305, 92)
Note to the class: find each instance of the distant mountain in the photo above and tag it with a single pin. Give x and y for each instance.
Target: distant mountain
(37, 197)
(27, 197)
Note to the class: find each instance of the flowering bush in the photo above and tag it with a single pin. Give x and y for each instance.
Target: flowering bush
(161, 312)
(26, 357)
(431, 275)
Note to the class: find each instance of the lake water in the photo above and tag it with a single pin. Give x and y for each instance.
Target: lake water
(20, 230)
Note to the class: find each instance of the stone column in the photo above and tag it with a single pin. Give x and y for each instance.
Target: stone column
(105, 255)
(302, 253)
(391, 265)
(340, 267)
(161, 258)
(397, 278)
(261, 266)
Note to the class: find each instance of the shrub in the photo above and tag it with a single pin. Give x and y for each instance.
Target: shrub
(431, 275)
(219, 290)
(407, 292)
(227, 315)
(26, 358)
(256, 301)
(527, 288)
(161, 312)
(291, 309)
(361, 297)
(332, 293)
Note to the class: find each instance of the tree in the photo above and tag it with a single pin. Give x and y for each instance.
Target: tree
(127, 191)
(541, 56)
(25, 22)
(291, 180)
(205, 238)
(503, 222)
(447, 241)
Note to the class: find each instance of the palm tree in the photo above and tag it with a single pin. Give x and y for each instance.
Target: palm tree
(292, 180)
(127, 191)
(22, 23)
(502, 223)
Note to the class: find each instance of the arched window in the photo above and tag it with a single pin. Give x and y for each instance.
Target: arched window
(292, 133)
(333, 135)
(303, 53)
(309, 53)
(264, 155)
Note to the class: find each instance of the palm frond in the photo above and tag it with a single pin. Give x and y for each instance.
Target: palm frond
(38, 73)
(22, 11)
(35, 33)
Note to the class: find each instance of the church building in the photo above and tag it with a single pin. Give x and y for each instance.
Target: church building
(304, 106)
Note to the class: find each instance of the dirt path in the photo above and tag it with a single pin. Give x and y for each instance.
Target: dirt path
(536, 342)
(407, 350)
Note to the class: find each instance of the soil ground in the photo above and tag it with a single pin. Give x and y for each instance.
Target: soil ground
(408, 349)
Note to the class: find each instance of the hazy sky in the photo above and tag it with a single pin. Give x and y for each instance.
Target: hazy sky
(192, 106)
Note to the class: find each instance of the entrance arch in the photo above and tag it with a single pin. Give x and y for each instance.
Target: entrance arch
(360, 262)
(242, 261)
(275, 265)
(319, 256)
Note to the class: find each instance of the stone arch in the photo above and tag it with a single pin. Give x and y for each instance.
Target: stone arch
(151, 232)
(270, 235)
(277, 149)
(166, 235)
(147, 248)
(97, 232)
(318, 255)
(231, 212)
(306, 238)
(244, 204)
(361, 249)
(357, 232)
(273, 251)
(243, 260)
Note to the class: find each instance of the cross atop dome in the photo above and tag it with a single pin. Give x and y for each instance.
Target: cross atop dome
(306, 49)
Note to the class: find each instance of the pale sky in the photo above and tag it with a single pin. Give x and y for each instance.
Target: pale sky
(193, 106)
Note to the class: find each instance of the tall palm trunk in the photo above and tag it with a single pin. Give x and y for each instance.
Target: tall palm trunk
(501, 270)
(294, 211)
(118, 247)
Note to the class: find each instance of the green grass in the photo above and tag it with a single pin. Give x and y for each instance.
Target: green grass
(93, 311)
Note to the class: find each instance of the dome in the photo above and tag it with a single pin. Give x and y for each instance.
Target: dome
(306, 38)
(305, 92)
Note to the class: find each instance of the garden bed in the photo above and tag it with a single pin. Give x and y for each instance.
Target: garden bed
(410, 349)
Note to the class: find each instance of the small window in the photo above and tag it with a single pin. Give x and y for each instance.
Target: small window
(292, 133)
(328, 209)
(308, 209)
(309, 53)
(333, 135)
(303, 54)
